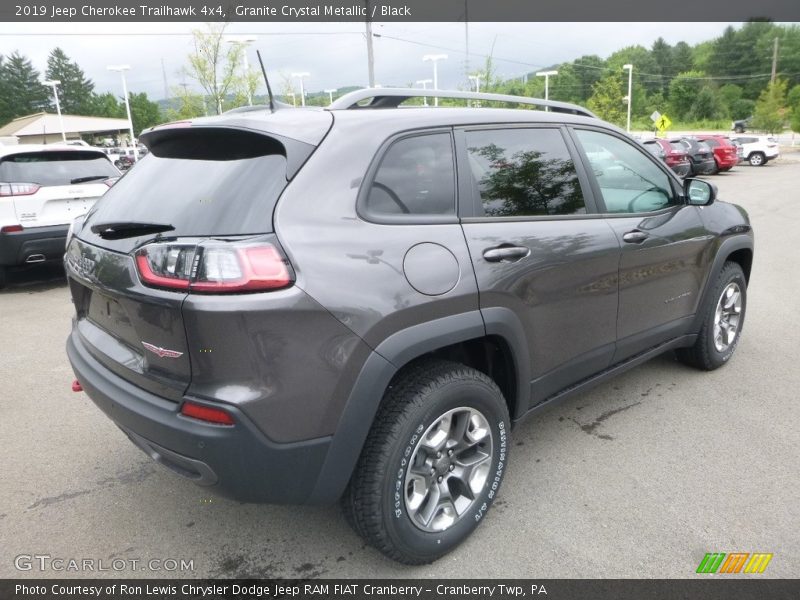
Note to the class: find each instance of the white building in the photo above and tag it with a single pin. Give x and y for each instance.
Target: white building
(45, 128)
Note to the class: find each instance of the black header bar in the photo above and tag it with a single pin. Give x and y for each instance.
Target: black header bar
(315, 11)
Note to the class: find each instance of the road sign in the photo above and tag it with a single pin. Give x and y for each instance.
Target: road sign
(655, 116)
(663, 123)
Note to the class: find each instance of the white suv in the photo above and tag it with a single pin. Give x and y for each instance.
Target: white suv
(42, 190)
(756, 150)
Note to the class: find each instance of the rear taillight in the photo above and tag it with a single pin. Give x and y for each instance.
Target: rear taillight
(206, 413)
(214, 266)
(10, 228)
(18, 189)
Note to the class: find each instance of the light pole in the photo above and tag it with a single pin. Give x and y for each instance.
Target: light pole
(629, 67)
(300, 76)
(242, 41)
(435, 58)
(53, 83)
(477, 80)
(330, 93)
(121, 70)
(546, 75)
(424, 83)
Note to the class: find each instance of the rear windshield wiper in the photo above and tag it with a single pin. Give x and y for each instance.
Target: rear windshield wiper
(125, 229)
(89, 178)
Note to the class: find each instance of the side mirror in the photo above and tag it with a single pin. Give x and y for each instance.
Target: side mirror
(699, 192)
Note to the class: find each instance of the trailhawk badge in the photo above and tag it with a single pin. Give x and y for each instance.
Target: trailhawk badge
(162, 352)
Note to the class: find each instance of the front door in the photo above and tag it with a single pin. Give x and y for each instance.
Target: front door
(664, 243)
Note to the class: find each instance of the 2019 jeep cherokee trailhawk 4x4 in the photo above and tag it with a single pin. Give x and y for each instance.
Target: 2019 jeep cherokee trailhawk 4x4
(306, 305)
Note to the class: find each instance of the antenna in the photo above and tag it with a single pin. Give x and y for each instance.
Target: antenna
(266, 80)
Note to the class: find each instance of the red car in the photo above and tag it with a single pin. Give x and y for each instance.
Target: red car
(671, 152)
(724, 150)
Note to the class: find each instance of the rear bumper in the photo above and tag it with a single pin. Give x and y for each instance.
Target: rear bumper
(236, 461)
(36, 244)
(705, 167)
(681, 169)
(726, 162)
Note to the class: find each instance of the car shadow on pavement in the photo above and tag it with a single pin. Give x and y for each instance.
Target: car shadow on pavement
(35, 278)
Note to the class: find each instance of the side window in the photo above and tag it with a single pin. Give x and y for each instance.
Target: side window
(524, 172)
(629, 180)
(416, 177)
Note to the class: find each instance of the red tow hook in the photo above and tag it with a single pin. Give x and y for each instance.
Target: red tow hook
(76, 386)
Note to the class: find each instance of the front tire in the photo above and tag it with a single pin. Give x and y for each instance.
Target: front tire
(432, 463)
(722, 322)
(757, 159)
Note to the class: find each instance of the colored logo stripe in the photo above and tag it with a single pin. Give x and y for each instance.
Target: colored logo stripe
(758, 563)
(711, 562)
(734, 562)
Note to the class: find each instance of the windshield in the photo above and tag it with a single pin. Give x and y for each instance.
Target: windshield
(55, 168)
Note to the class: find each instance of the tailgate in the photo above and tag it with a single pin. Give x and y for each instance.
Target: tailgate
(134, 331)
(57, 205)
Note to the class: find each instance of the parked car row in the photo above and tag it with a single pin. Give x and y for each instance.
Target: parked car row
(709, 154)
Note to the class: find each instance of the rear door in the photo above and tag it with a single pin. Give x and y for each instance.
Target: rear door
(209, 182)
(665, 247)
(53, 187)
(538, 250)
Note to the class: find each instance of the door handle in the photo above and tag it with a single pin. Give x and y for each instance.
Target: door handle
(506, 253)
(635, 237)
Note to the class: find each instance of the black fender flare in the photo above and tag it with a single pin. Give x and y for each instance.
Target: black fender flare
(383, 363)
(726, 248)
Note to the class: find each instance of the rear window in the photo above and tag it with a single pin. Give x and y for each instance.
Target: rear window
(711, 142)
(678, 146)
(55, 168)
(201, 185)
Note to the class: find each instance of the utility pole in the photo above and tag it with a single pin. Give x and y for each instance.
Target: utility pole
(774, 61)
(466, 37)
(370, 55)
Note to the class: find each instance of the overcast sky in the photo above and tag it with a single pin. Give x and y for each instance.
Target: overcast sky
(335, 53)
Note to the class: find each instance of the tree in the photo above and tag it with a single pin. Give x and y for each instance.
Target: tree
(144, 113)
(770, 113)
(708, 105)
(106, 105)
(661, 53)
(607, 100)
(682, 58)
(21, 92)
(214, 64)
(75, 92)
(683, 91)
(189, 105)
(589, 70)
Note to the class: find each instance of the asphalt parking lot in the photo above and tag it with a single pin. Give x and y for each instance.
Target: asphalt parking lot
(639, 477)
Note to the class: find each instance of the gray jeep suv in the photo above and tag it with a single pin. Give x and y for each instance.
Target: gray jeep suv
(359, 302)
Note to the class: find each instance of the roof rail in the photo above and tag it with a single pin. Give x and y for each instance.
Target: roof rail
(393, 97)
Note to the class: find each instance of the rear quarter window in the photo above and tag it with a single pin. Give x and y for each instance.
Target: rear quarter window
(416, 176)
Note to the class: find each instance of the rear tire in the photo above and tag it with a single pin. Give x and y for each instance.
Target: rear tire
(757, 159)
(723, 320)
(432, 463)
